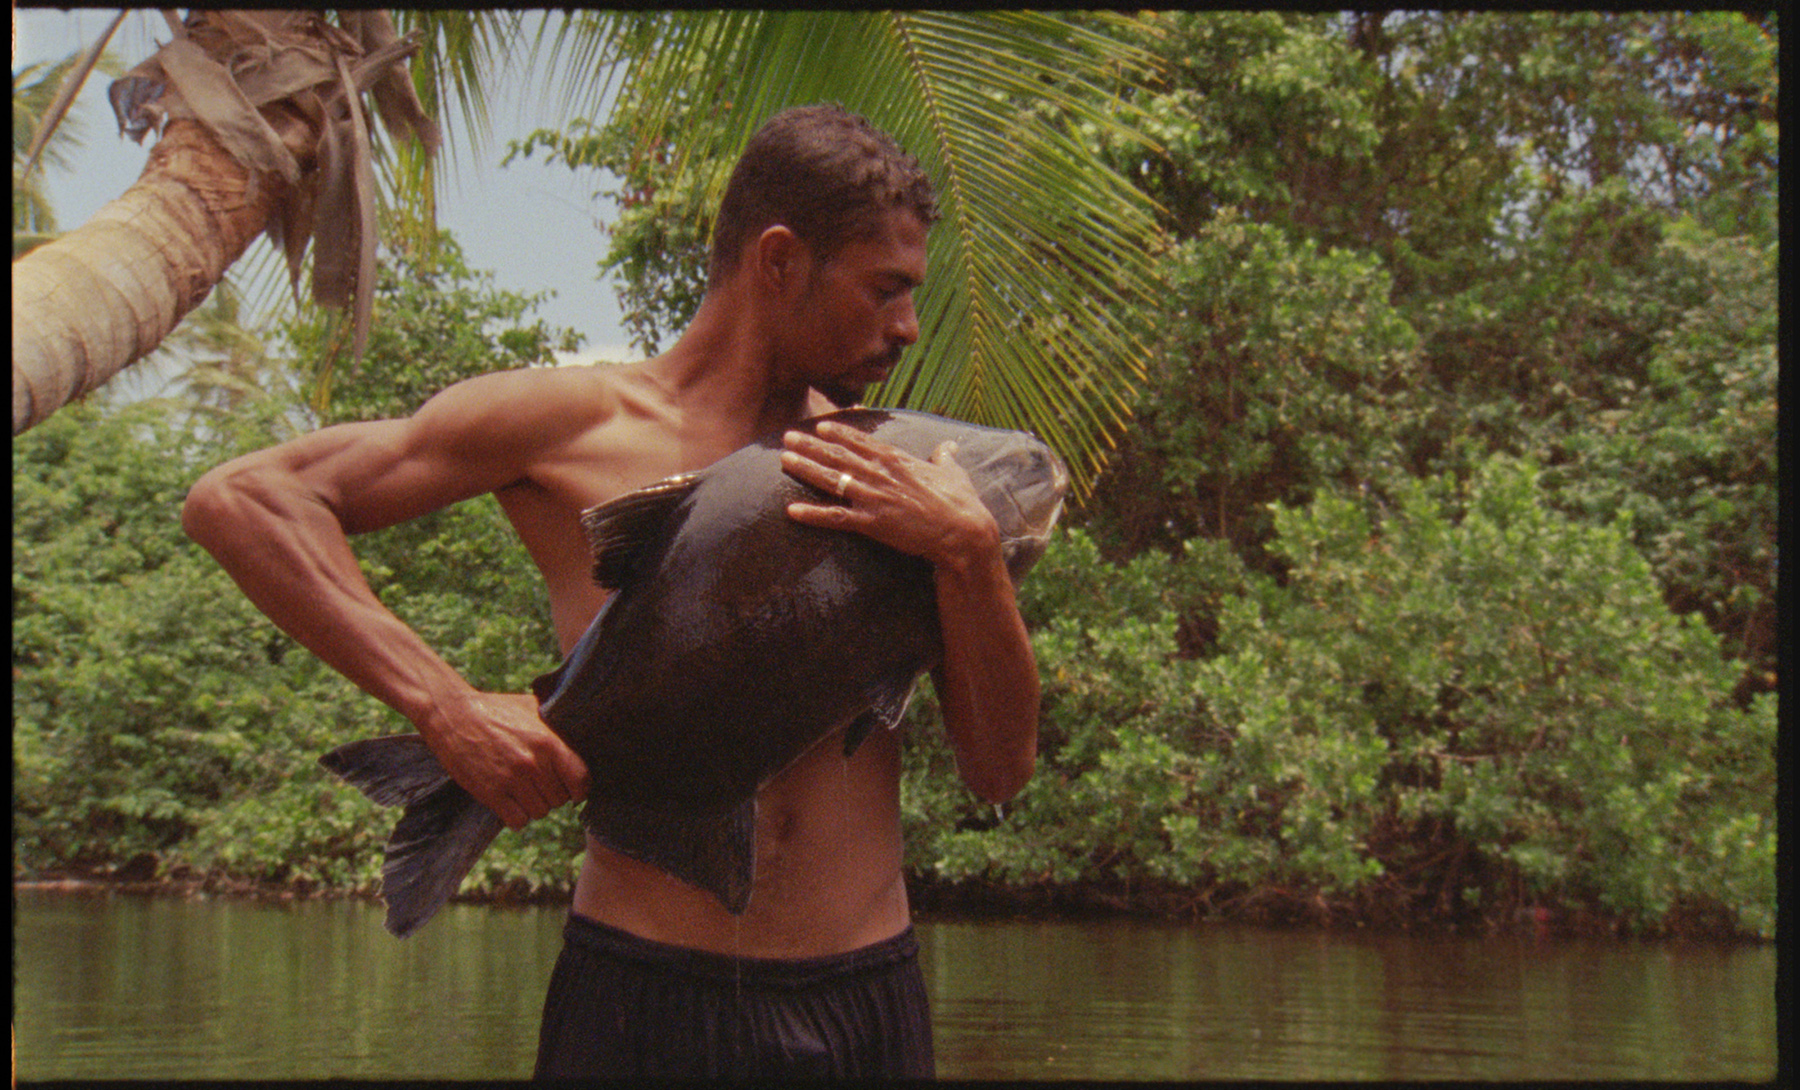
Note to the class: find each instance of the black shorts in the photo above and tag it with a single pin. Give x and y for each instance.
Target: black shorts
(622, 1006)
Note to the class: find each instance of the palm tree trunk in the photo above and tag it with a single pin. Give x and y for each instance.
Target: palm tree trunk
(98, 298)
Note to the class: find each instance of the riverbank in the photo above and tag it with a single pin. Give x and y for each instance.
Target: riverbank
(971, 901)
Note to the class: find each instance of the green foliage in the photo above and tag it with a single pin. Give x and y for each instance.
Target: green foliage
(1688, 454)
(1116, 739)
(1279, 367)
(1459, 705)
(1507, 687)
(156, 710)
(149, 695)
(1391, 260)
(435, 322)
(1249, 110)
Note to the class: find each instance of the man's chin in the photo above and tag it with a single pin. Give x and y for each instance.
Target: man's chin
(841, 395)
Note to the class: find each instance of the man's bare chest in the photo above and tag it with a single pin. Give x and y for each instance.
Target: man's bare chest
(545, 509)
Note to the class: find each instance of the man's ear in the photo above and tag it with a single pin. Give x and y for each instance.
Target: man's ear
(781, 260)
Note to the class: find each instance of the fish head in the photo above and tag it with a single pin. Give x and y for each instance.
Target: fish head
(1022, 483)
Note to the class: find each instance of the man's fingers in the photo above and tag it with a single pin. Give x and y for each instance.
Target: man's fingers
(828, 479)
(573, 772)
(841, 460)
(557, 777)
(830, 517)
(535, 802)
(508, 758)
(837, 447)
(850, 439)
(509, 812)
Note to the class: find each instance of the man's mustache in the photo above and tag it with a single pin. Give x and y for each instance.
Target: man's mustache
(889, 359)
(844, 396)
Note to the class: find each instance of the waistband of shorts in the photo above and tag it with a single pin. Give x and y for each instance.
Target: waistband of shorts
(607, 940)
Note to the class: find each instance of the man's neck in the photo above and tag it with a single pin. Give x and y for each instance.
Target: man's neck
(723, 370)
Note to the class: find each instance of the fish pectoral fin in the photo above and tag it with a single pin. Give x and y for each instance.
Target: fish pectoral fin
(619, 529)
(392, 771)
(549, 687)
(711, 850)
(890, 699)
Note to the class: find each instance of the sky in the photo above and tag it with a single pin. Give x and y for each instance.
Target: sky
(531, 224)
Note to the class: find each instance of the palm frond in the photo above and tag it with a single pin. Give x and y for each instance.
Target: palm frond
(463, 56)
(1042, 249)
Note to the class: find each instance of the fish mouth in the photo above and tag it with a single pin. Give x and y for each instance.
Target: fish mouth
(1037, 507)
(1023, 552)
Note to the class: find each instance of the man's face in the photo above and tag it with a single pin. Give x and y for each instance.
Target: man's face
(855, 313)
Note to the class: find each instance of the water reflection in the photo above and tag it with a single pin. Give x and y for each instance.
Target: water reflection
(109, 986)
(1134, 1001)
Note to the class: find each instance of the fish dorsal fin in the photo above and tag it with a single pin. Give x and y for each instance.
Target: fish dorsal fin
(618, 530)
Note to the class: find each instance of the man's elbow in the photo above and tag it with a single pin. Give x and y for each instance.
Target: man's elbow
(200, 511)
(214, 506)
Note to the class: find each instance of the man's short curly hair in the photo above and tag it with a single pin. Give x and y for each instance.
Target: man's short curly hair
(824, 173)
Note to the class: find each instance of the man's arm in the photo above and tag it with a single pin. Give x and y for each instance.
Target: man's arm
(987, 683)
(278, 521)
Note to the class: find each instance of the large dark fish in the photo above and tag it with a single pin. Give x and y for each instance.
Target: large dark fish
(737, 640)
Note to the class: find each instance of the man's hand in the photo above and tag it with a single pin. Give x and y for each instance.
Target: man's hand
(987, 683)
(925, 508)
(501, 752)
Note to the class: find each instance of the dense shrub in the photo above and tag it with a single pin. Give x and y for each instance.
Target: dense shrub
(1117, 707)
(157, 712)
(1319, 642)
(1458, 705)
(1277, 367)
(1687, 453)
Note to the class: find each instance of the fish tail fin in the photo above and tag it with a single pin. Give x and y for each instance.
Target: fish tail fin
(439, 836)
(430, 851)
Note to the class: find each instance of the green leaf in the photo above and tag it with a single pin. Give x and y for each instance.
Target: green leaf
(1043, 250)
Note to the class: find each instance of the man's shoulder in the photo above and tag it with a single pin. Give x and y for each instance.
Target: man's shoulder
(566, 389)
(534, 402)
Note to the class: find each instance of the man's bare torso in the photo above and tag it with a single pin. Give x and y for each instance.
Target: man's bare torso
(828, 830)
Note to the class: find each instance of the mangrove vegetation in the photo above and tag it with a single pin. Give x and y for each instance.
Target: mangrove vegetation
(1430, 582)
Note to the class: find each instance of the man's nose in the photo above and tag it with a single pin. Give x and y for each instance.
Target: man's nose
(904, 327)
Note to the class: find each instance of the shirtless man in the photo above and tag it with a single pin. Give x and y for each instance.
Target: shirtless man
(819, 246)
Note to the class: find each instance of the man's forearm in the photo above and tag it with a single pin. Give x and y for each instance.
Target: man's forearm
(290, 556)
(988, 682)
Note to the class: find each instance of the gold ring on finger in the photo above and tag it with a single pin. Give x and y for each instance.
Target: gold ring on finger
(843, 482)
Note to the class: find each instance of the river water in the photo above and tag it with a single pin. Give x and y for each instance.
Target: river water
(110, 985)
